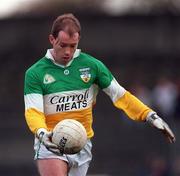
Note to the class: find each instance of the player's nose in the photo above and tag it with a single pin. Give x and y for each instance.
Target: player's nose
(67, 51)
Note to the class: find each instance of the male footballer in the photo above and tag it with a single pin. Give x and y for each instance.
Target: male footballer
(64, 84)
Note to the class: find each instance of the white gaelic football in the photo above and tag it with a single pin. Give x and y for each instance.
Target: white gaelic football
(70, 135)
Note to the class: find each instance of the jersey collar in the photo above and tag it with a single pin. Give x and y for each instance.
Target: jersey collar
(49, 56)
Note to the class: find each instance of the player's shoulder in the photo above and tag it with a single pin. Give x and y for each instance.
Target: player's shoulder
(90, 59)
(36, 70)
(37, 66)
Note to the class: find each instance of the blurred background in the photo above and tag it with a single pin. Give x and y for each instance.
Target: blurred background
(139, 40)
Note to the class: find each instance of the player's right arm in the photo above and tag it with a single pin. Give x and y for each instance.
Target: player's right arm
(33, 98)
(34, 110)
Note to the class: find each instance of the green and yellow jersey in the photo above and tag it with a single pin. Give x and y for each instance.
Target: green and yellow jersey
(54, 92)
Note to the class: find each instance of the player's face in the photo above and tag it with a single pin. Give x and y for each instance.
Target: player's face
(64, 46)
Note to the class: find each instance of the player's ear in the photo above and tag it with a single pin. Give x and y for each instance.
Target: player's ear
(51, 39)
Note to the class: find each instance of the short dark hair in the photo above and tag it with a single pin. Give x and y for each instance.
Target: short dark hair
(66, 22)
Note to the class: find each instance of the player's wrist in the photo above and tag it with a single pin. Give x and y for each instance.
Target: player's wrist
(151, 116)
(40, 132)
(44, 137)
(156, 121)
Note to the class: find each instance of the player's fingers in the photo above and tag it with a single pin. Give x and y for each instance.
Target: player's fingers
(54, 146)
(171, 140)
(56, 151)
(169, 134)
(49, 144)
(49, 134)
(57, 41)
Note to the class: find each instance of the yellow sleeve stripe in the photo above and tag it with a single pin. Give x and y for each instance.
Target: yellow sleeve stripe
(132, 106)
(35, 119)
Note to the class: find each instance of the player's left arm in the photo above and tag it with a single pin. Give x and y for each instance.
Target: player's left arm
(130, 104)
(137, 110)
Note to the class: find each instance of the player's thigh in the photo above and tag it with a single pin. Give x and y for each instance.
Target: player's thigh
(79, 171)
(52, 167)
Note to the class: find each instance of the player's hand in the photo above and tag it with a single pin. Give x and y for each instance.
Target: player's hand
(161, 125)
(45, 138)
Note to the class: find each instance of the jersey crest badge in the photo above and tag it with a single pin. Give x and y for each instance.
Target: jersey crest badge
(85, 74)
(48, 79)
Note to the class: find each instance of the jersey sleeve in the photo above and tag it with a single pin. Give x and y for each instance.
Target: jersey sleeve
(33, 99)
(133, 107)
(121, 98)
